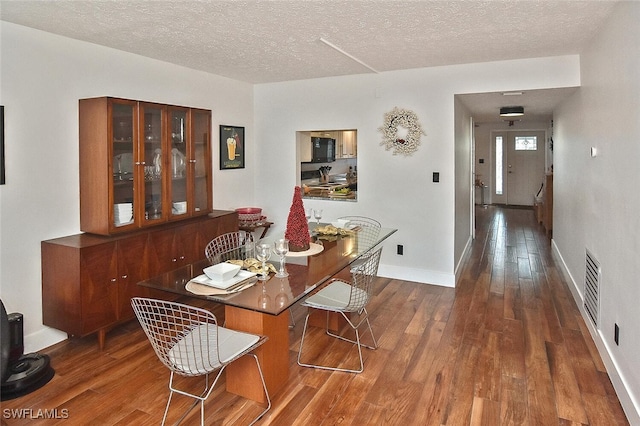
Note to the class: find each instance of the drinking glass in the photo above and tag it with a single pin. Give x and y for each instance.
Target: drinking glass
(281, 248)
(249, 247)
(318, 215)
(263, 253)
(308, 213)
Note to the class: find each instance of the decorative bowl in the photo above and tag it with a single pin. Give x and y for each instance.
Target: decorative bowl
(249, 214)
(221, 271)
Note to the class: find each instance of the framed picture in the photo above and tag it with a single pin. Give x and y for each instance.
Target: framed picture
(1, 145)
(231, 147)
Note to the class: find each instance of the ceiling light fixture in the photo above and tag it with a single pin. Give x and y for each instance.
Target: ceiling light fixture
(333, 46)
(512, 111)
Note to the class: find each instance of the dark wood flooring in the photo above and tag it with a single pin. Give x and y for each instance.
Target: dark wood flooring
(506, 347)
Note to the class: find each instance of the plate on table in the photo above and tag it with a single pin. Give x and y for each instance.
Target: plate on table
(314, 248)
(205, 290)
(223, 285)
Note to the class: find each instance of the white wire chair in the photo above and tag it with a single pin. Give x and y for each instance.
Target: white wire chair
(190, 343)
(232, 245)
(347, 299)
(367, 234)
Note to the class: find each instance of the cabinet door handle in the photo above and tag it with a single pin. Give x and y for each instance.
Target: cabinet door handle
(113, 280)
(181, 257)
(174, 260)
(192, 161)
(125, 276)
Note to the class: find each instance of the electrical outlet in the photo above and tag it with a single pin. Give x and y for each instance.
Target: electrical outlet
(616, 334)
(400, 249)
(436, 176)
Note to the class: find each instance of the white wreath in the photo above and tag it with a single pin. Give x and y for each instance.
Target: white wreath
(397, 122)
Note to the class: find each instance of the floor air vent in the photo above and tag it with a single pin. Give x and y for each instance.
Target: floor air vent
(592, 288)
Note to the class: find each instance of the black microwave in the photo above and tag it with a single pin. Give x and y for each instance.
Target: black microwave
(323, 150)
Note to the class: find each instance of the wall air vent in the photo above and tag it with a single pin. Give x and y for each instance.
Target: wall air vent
(592, 287)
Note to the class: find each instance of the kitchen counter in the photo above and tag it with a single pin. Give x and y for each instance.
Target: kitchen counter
(328, 191)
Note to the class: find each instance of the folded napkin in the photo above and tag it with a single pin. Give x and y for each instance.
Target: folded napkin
(253, 265)
(332, 230)
(205, 290)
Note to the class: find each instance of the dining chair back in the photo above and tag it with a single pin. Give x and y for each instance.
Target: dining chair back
(368, 230)
(232, 245)
(350, 301)
(189, 342)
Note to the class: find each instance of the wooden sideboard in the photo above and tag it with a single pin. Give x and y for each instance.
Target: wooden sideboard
(88, 280)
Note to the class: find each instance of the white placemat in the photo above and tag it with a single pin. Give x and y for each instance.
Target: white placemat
(314, 248)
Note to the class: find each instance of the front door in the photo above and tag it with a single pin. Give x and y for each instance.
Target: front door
(519, 175)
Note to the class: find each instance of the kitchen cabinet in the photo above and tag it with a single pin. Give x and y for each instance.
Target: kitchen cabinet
(304, 146)
(347, 144)
(142, 164)
(88, 280)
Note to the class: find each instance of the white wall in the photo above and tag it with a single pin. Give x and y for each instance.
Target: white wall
(397, 190)
(596, 203)
(43, 76)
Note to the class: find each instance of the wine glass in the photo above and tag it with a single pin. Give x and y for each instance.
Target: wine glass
(263, 253)
(307, 213)
(318, 215)
(281, 248)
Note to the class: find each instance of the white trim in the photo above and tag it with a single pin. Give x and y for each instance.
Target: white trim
(629, 404)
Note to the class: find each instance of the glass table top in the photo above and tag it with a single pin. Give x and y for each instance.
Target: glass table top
(276, 295)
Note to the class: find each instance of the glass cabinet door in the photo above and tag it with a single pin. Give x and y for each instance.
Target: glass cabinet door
(201, 160)
(122, 153)
(178, 160)
(152, 158)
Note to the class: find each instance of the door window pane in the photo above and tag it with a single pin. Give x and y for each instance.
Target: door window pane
(526, 143)
(499, 147)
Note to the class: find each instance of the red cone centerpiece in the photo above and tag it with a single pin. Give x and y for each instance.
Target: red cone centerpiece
(297, 227)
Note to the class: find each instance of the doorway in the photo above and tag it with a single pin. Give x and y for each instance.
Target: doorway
(518, 167)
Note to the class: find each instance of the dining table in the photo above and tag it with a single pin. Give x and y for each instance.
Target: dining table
(263, 308)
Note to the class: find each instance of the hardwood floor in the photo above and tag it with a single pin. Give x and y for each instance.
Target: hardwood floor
(507, 346)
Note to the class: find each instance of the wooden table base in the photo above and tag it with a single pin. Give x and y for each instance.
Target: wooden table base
(242, 375)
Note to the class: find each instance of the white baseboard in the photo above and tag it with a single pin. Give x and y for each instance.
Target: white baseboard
(43, 338)
(424, 276)
(629, 404)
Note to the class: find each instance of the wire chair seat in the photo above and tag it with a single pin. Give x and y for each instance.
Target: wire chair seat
(189, 342)
(346, 299)
(191, 356)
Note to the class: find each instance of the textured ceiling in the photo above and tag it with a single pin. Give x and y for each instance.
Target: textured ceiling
(271, 41)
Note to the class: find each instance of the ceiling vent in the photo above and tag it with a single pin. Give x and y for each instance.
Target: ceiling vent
(592, 288)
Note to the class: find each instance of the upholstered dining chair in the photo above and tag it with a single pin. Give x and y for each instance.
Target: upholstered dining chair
(190, 343)
(350, 300)
(231, 245)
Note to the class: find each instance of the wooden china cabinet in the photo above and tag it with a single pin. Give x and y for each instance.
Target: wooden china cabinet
(142, 164)
(145, 209)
